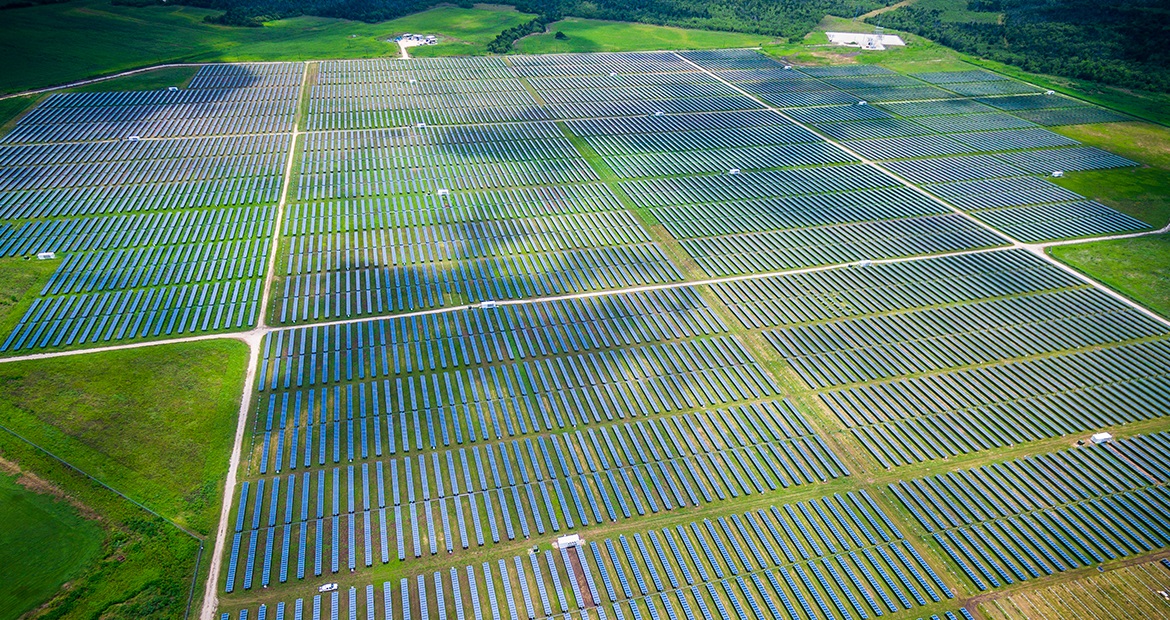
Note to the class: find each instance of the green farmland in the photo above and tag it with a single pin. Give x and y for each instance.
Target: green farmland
(39, 525)
(588, 35)
(87, 38)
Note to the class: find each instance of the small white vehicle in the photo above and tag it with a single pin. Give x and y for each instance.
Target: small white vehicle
(329, 587)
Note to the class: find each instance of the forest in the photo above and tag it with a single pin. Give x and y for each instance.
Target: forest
(1121, 42)
(781, 18)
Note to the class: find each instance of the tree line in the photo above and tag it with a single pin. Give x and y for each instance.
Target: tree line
(1117, 42)
(781, 18)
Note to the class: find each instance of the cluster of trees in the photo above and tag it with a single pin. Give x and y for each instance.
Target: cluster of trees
(255, 12)
(24, 4)
(781, 18)
(1119, 42)
(503, 41)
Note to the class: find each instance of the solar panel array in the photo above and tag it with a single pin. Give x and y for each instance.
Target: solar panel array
(434, 182)
(899, 351)
(569, 413)
(451, 188)
(937, 133)
(1049, 513)
(830, 555)
(162, 202)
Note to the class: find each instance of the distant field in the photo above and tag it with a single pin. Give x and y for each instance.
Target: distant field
(1129, 592)
(591, 35)
(461, 31)
(59, 43)
(1138, 268)
(38, 525)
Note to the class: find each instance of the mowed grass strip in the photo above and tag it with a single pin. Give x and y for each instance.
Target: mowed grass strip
(44, 542)
(593, 35)
(155, 423)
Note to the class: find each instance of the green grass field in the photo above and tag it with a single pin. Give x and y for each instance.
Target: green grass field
(1138, 268)
(591, 35)
(1141, 192)
(157, 425)
(20, 282)
(59, 43)
(41, 526)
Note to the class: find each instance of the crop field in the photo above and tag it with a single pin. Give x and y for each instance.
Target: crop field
(724, 319)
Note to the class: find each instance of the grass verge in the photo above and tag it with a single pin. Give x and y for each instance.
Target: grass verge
(1138, 268)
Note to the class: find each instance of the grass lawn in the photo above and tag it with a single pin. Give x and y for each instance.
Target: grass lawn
(1138, 268)
(20, 282)
(39, 525)
(58, 43)
(592, 35)
(155, 423)
(1141, 192)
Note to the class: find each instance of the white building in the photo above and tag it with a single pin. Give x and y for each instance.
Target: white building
(864, 40)
(566, 542)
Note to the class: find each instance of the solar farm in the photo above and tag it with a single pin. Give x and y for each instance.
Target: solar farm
(644, 335)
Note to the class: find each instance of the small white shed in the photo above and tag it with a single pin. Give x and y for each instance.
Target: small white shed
(1099, 438)
(566, 542)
